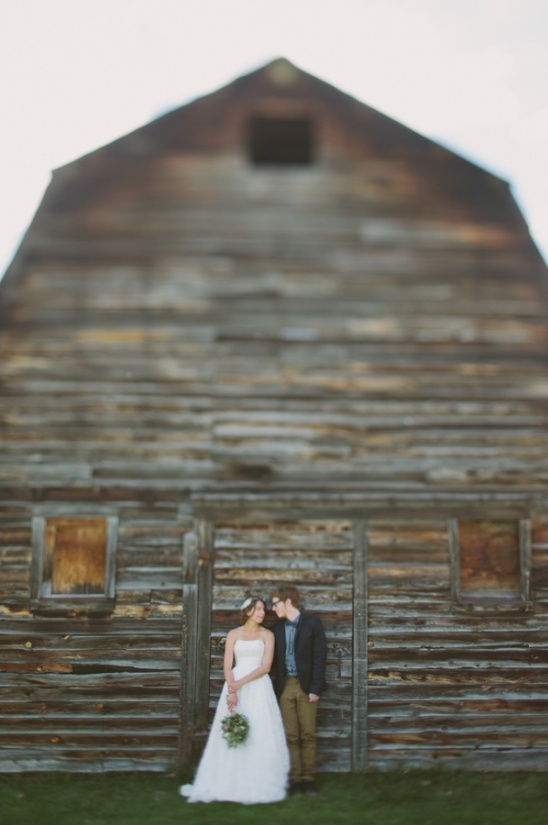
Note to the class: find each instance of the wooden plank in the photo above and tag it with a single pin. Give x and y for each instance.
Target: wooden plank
(189, 644)
(360, 713)
(203, 607)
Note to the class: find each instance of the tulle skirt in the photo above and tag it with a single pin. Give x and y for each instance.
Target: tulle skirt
(255, 771)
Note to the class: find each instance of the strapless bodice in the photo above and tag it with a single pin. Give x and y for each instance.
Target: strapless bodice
(249, 654)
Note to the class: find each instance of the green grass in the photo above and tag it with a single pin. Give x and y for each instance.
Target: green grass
(404, 797)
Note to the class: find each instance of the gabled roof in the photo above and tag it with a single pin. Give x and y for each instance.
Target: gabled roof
(278, 86)
(214, 125)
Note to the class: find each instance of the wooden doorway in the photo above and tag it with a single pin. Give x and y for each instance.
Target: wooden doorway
(325, 558)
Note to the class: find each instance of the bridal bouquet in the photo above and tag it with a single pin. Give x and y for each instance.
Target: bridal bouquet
(235, 728)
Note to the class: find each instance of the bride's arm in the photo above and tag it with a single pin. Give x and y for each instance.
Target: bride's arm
(228, 660)
(263, 668)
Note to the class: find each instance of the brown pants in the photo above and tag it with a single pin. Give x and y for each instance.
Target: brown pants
(299, 718)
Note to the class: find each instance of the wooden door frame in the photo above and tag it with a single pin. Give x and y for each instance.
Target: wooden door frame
(198, 571)
(195, 637)
(360, 665)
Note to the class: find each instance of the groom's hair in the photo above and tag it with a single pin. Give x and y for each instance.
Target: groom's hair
(287, 591)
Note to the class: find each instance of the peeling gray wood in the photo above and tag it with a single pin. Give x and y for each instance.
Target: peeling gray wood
(360, 724)
(189, 644)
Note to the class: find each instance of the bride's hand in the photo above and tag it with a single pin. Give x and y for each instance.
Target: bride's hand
(232, 700)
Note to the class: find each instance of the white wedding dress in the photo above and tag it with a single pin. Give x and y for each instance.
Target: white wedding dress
(255, 771)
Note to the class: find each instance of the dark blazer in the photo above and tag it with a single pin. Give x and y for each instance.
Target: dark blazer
(310, 655)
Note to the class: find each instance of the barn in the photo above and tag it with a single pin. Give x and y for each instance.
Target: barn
(274, 335)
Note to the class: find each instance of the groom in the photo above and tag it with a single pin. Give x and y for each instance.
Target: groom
(298, 673)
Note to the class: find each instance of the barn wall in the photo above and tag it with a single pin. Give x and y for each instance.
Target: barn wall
(89, 693)
(225, 325)
(431, 682)
(428, 684)
(448, 687)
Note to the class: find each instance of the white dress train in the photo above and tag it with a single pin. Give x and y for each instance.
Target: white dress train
(257, 770)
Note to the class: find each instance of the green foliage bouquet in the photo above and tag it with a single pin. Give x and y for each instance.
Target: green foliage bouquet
(235, 729)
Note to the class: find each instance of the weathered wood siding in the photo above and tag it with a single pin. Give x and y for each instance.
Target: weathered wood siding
(93, 693)
(343, 362)
(457, 689)
(181, 323)
(429, 683)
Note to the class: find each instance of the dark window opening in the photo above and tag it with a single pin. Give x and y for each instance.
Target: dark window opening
(280, 141)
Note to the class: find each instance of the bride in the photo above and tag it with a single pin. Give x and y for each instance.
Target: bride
(256, 770)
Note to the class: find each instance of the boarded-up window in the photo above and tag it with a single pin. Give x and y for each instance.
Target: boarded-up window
(73, 562)
(491, 561)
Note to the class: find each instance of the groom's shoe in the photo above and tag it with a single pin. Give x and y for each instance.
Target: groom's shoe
(310, 789)
(295, 789)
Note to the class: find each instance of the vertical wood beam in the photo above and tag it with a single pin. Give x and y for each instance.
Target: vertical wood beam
(195, 637)
(37, 573)
(203, 636)
(188, 648)
(454, 559)
(525, 561)
(359, 648)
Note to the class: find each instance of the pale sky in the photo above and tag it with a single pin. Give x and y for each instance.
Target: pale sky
(76, 74)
